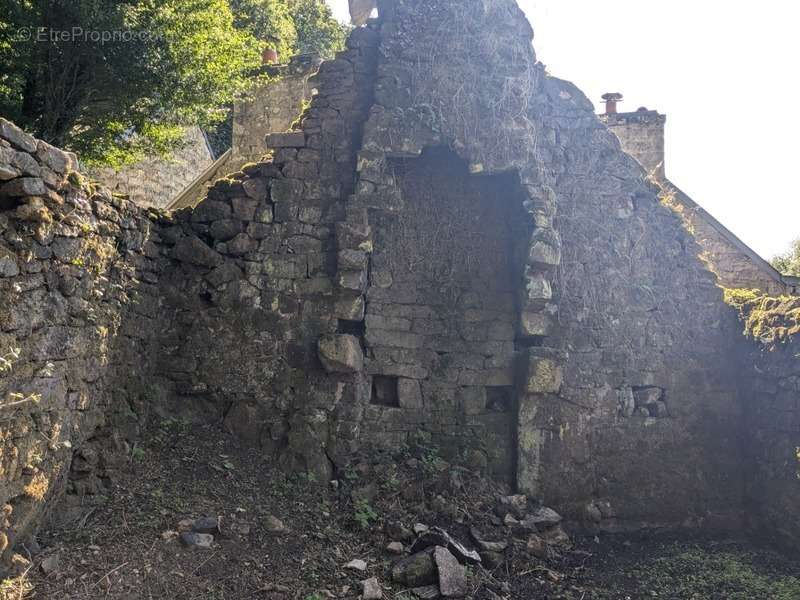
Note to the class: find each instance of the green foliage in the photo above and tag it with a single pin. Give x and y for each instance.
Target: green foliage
(789, 262)
(697, 573)
(162, 66)
(317, 31)
(166, 65)
(268, 21)
(363, 513)
(769, 320)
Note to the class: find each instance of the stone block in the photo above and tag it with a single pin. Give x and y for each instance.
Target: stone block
(472, 400)
(15, 135)
(264, 214)
(409, 394)
(393, 323)
(544, 375)
(286, 190)
(244, 209)
(241, 244)
(7, 172)
(23, 186)
(194, 251)
(8, 266)
(289, 139)
(341, 353)
(352, 260)
(352, 280)
(349, 307)
(59, 161)
(538, 290)
(545, 248)
(353, 235)
(255, 188)
(211, 210)
(225, 229)
(647, 396)
(395, 339)
(536, 323)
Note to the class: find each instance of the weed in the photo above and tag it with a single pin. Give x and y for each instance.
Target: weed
(363, 513)
(697, 573)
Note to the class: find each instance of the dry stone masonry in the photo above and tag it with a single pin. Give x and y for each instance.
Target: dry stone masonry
(449, 244)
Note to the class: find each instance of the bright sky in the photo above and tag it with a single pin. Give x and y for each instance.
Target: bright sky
(725, 74)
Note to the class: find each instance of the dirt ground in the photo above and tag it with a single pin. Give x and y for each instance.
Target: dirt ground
(125, 545)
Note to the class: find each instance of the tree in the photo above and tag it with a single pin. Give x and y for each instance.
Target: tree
(117, 80)
(267, 20)
(114, 80)
(291, 26)
(789, 263)
(318, 31)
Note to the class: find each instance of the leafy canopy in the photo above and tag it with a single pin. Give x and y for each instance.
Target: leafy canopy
(789, 263)
(168, 64)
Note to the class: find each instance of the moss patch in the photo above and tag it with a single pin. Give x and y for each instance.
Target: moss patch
(769, 320)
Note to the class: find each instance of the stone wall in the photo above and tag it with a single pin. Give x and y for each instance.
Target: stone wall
(270, 108)
(254, 285)
(448, 243)
(649, 389)
(78, 313)
(157, 181)
(773, 415)
(441, 311)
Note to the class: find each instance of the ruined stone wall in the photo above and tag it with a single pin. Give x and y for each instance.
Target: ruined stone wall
(78, 314)
(253, 286)
(649, 387)
(772, 364)
(449, 242)
(270, 108)
(157, 181)
(623, 378)
(441, 311)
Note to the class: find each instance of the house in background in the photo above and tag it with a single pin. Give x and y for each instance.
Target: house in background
(641, 134)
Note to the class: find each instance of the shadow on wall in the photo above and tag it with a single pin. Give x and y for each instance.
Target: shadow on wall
(443, 298)
(78, 321)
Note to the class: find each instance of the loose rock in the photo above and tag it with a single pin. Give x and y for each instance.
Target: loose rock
(197, 540)
(206, 525)
(439, 537)
(356, 565)
(50, 564)
(415, 571)
(394, 548)
(371, 589)
(452, 578)
(275, 526)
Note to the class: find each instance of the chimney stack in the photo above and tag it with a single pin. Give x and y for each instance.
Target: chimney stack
(611, 99)
(640, 133)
